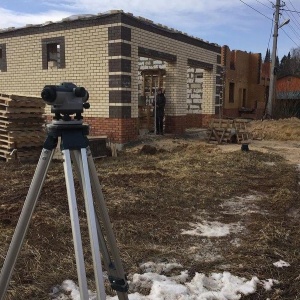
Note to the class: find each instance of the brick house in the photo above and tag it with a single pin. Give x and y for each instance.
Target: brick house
(287, 103)
(246, 83)
(102, 53)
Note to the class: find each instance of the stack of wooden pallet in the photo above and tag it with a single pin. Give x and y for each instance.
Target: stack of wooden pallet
(21, 127)
(220, 130)
(228, 131)
(242, 133)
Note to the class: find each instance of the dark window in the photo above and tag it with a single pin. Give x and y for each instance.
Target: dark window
(244, 98)
(53, 53)
(217, 110)
(231, 92)
(199, 75)
(3, 63)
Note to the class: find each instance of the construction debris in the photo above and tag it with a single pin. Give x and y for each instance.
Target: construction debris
(21, 127)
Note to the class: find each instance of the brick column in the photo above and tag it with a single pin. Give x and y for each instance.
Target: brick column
(176, 96)
(123, 126)
(209, 95)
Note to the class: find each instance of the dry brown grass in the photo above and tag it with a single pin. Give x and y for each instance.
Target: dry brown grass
(151, 198)
(283, 129)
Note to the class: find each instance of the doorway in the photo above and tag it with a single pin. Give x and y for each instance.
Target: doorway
(151, 80)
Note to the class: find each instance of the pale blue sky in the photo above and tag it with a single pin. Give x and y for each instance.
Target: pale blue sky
(241, 24)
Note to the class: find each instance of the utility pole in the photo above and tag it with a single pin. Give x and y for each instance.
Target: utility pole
(273, 62)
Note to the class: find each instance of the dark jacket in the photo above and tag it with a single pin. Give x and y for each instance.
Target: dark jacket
(160, 104)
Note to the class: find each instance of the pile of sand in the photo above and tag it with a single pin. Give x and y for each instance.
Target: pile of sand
(281, 130)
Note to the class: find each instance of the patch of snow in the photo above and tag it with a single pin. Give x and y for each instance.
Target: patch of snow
(159, 267)
(210, 229)
(268, 284)
(281, 264)
(270, 163)
(242, 205)
(217, 286)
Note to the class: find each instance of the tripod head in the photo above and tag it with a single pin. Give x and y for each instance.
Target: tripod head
(66, 99)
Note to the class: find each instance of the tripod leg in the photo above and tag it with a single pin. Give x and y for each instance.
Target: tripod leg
(90, 211)
(117, 276)
(75, 225)
(103, 249)
(24, 220)
(108, 263)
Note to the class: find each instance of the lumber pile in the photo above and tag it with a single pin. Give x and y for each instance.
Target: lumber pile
(228, 131)
(21, 127)
(220, 130)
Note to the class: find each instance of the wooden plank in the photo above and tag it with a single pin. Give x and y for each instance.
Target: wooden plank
(22, 134)
(10, 109)
(12, 103)
(20, 138)
(22, 144)
(21, 155)
(20, 115)
(31, 120)
(21, 101)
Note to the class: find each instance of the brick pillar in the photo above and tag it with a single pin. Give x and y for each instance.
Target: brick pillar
(176, 96)
(124, 127)
(209, 96)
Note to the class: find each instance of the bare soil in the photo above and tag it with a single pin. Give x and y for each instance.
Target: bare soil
(152, 198)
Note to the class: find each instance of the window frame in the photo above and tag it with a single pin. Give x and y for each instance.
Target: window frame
(58, 41)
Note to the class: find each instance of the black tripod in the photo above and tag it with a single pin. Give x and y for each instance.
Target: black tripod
(75, 148)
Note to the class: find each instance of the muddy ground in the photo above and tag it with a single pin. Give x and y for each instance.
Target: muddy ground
(153, 198)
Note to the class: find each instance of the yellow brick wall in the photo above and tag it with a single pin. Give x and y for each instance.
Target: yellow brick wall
(86, 59)
(176, 80)
(86, 55)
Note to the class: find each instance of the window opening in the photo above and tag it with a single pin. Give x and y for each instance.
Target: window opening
(231, 92)
(53, 55)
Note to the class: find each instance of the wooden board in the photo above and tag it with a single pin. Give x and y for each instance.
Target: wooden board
(22, 123)
(21, 101)
(28, 154)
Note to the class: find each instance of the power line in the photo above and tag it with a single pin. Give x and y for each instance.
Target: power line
(290, 38)
(293, 19)
(295, 32)
(287, 10)
(264, 4)
(295, 11)
(294, 8)
(256, 10)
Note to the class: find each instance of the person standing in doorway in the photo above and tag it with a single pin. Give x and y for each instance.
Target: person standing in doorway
(159, 105)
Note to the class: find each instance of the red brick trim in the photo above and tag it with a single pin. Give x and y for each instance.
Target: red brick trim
(193, 120)
(175, 124)
(119, 131)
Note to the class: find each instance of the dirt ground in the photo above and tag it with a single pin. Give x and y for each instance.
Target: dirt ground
(154, 198)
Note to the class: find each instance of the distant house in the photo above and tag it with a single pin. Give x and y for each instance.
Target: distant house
(288, 96)
(246, 83)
